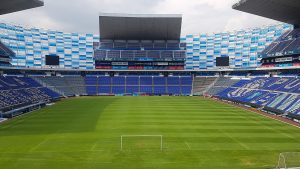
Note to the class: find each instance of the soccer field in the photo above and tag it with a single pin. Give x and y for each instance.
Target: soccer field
(84, 133)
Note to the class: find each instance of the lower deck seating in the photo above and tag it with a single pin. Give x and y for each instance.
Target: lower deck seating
(22, 91)
(201, 84)
(103, 85)
(280, 94)
(66, 85)
(221, 84)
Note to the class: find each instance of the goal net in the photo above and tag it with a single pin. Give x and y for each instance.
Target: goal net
(141, 142)
(289, 160)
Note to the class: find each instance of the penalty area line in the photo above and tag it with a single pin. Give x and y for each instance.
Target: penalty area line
(256, 112)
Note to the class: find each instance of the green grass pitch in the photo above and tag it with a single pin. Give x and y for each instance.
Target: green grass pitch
(84, 133)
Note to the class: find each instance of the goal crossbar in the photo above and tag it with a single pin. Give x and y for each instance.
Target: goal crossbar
(287, 157)
(160, 136)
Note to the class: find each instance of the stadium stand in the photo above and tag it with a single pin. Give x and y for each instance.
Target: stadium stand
(5, 55)
(158, 52)
(202, 84)
(140, 55)
(221, 84)
(18, 92)
(260, 74)
(134, 46)
(287, 44)
(65, 85)
(93, 85)
(120, 51)
(133, 85)
(279, 95)
(236, 73)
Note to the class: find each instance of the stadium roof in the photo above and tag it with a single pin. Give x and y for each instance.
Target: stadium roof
(140, 27)
(9, 6)
(281, 10)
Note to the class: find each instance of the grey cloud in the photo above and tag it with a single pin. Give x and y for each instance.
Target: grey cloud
(82, 15)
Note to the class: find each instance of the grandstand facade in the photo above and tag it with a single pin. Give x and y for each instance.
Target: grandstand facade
(140, 42)
(31, 45)
(284, 51)
(199, 52)
(243, 47)
(5, 55)
(140, 55)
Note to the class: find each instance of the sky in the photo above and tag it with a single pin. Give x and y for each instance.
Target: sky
(199, 16)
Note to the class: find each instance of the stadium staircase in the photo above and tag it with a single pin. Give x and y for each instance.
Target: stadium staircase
(202, 84)
(65, 85)
(221, 84)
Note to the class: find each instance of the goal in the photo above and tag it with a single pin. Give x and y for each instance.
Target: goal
(289, 160)
(141, 142)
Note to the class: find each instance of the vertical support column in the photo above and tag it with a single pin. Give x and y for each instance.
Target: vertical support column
(97, 85)
(167, 84)
(125, 85)
(193, 81)
(111, 85)
(152, 85)
(139, 92)
(180, 85)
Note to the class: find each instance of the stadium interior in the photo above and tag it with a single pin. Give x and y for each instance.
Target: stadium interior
(146, 55)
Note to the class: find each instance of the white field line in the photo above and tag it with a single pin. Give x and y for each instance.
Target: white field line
(266, 116)
(37, 146)
(94, 146)
(237, 141)
(60, 160)
(240, 107)
(77, 151)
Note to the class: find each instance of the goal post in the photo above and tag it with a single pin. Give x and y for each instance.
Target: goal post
(142, 140)
(289, 160)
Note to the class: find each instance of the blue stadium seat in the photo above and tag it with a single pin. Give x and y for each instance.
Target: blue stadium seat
(146, 89)
(132, 89)
(22, 91)
(159, 90)
(104, 80)
(173, 81)
(186, 90)
(174, 90)
(118, 80)
(91, 81)
(274, 92)
(118, 89)
(159, 81)
(186, 81)
(132, 81)
(91, 90)
(104, 89)
(147, 80)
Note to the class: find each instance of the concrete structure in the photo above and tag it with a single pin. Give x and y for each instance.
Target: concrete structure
(9, 6)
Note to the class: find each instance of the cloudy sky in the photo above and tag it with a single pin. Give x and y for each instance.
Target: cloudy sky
(199, 16)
